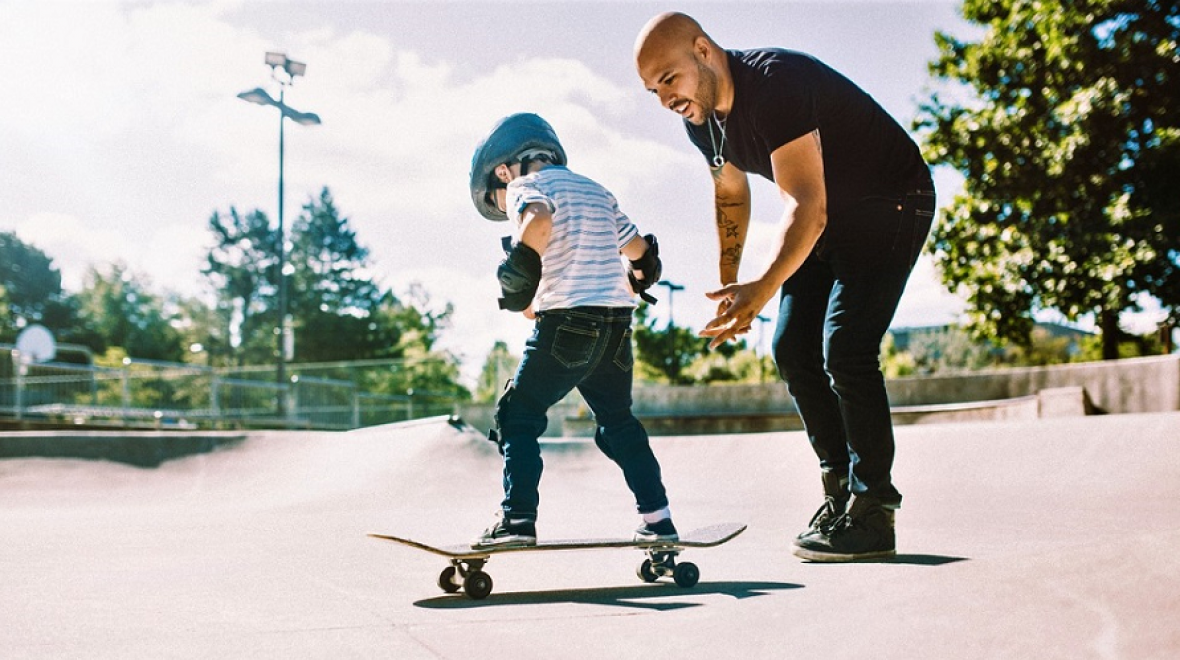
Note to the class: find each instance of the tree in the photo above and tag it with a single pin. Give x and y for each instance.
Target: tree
(1069, 141)
(30, 284)
(339, 312)
(126, 314)
(242, 269)
(330, 294)
(663, 355)
(499, 366)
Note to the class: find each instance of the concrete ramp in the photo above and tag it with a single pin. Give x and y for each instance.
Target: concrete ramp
(1024, 539)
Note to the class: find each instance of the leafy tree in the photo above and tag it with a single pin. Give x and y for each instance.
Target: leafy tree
(499, 366)
(124, 312)
(242, 269)
(662, 355)
(339, 312)
(1069, 139)
(30, 284)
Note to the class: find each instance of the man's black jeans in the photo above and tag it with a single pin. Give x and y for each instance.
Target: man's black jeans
(832, 316)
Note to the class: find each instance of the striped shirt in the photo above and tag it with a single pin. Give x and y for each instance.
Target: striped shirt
(581, 265)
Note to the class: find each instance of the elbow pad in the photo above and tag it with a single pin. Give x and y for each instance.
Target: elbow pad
(519, 275)
(650, 266)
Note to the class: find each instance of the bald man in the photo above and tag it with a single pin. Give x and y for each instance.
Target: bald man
(858, 204)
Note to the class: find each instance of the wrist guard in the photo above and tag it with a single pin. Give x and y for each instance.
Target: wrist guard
(650, 266)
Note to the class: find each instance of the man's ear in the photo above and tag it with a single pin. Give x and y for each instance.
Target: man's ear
(702, 48)
(503, 173)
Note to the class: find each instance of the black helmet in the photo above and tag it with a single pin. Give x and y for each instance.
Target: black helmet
(522, 134)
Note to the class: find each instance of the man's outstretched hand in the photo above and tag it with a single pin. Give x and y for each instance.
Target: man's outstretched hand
(739, 304)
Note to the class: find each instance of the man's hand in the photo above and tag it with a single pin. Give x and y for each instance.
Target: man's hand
(739, 305)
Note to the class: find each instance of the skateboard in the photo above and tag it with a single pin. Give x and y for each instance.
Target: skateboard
(466, 571)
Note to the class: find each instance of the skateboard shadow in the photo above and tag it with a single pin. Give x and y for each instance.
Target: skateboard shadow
(910, 559)
(638, 597)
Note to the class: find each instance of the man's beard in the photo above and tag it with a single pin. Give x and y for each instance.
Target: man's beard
(706, 94)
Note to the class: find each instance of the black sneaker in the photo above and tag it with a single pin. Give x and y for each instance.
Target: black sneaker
(508, 533)
(835, 503)
(865, 532)
(663, 530)
(831, 511)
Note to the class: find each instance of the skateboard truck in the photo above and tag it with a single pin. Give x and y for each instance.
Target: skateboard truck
(466, 574)
(661, 562)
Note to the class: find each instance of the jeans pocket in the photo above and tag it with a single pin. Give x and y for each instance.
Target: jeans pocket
(573, 344)
(920, 207)
(624, 356)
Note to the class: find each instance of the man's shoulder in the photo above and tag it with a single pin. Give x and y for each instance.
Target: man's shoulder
(767, 59)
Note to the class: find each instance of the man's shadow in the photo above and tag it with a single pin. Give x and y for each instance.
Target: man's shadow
(656, 596)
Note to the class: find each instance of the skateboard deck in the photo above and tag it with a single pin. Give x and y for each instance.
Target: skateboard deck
(467, 563)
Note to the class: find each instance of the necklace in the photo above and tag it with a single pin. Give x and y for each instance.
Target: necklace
(718, 149)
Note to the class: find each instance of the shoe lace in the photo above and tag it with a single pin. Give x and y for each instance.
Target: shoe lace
(825, 517)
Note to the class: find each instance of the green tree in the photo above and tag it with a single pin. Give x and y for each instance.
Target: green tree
(241, 269)
(331, 296)
(498, 367)
(126, 314)
(30, 284)
(663, 355)
(32, 293)
(1069, 140)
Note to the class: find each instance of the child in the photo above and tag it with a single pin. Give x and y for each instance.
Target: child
(564, 271)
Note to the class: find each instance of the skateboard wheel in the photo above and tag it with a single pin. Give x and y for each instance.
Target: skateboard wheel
(686, 574)
(446, 580)
(477, 584)
(646, 573)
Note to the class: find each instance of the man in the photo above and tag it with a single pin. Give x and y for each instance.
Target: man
(859, 203)
(564, 270)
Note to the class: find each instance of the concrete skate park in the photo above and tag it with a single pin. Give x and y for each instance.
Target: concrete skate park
(1039, 537)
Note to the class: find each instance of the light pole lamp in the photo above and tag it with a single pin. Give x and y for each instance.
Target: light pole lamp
(284, 71)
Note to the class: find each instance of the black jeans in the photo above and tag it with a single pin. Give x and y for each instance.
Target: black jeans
(832, 316)
(588, 348)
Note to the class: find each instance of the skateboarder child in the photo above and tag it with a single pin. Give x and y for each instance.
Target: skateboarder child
(563, 270)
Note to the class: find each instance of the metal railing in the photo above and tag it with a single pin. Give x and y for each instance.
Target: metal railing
(151, 394)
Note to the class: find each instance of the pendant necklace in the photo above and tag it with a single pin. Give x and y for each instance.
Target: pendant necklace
(718, 156)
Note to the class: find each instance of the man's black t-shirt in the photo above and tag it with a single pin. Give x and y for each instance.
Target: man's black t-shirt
(781, 95)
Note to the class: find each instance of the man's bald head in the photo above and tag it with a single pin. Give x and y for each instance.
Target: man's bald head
(684, 67)
(668, 33)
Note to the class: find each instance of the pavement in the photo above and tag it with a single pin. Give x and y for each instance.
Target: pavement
(1034, 539)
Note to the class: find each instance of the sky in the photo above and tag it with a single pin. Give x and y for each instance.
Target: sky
(121, 133)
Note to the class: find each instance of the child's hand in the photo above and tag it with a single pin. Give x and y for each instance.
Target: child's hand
(529, 313)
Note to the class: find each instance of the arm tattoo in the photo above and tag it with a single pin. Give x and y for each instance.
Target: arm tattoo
(818, 144)
(732, 256)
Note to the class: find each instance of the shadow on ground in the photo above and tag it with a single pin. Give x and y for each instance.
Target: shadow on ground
(656, 597)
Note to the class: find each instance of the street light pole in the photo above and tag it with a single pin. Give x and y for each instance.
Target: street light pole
(280, 62)
(673, 363)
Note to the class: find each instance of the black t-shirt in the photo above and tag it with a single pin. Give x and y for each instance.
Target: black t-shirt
(781, 95)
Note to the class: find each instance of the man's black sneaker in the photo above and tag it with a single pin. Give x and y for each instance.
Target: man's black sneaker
(508, 533)
(829, 512)
(835, 503)
(663, 530)
(864, 532)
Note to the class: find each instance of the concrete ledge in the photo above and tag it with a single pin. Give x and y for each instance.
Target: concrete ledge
(1054, 402)
(141, 449)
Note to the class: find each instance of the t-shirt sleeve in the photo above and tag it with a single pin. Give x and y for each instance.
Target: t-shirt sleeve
(784, 110)
(521, 194)
(625, 229)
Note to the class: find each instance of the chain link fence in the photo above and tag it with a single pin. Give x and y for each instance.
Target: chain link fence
(150, 394)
